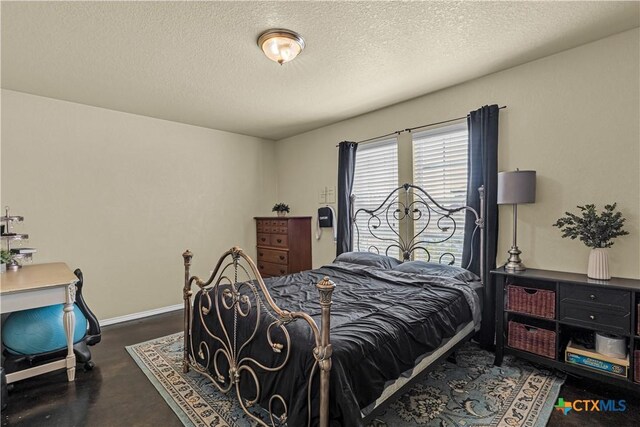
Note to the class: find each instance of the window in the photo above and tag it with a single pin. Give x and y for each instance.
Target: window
(440, 168)
(439, 162)
(376, 175)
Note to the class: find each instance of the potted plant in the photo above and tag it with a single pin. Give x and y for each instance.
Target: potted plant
(281, 209)
(5, 258)
(597, 232)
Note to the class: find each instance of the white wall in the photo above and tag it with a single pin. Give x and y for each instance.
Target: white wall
(121, 196)
(574, 117)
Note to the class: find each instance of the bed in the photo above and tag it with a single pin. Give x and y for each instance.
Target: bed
(293, 358)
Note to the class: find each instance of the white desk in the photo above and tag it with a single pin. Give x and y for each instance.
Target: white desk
(40, 285)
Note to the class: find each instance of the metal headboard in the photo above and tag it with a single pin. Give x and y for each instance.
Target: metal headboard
(400, 211)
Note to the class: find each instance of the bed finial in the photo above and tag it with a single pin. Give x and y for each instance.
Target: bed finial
(326, 287)
(236, 252)
(323, 352)
(187, 255)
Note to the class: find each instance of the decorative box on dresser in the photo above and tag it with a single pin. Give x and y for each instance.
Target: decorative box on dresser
(283, 245)
(540, 311)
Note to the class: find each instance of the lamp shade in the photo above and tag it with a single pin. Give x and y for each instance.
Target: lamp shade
(516, 187)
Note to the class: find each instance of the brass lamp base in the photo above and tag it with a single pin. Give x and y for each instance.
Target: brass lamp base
(514, 263)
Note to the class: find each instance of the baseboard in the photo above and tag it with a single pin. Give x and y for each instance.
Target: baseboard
(140, 315)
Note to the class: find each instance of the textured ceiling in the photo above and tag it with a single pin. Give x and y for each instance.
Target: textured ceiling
(198, 62)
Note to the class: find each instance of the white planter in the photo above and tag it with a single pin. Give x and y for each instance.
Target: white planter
(598, 264)
(3, 267)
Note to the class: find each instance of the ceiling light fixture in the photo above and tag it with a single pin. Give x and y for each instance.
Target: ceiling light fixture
(281, 45)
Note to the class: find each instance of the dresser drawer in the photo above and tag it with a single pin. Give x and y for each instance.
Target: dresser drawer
(275, 228)
(595, 316)
(276, 257)
(264, 239)
(580, 294)
(271, 269)
(279, 240)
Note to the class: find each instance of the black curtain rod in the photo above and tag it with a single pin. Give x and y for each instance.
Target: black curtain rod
(445, 121)
(398, 132)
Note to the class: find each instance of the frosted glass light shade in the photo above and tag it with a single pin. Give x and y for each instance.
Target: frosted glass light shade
(281, 45)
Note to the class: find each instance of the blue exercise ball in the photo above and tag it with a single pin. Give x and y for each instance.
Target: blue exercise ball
(40, 330)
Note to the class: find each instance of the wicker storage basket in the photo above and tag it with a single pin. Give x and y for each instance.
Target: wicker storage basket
(537, 302)
(636, 366)
(534, 340)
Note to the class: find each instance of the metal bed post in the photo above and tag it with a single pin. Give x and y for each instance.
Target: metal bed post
(323, 353)
(186, 295)
(480, 224)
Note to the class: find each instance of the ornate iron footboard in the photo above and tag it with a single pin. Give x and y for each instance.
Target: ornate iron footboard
(225, 294)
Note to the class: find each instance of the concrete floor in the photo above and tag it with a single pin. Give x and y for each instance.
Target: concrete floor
(114, 393)
(117, 393)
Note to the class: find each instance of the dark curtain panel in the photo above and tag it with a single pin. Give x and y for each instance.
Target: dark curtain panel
(483, 170)
(346, 169)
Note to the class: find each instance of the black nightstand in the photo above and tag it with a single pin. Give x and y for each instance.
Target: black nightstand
(575, 305)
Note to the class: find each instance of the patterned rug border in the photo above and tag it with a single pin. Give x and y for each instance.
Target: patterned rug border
(542, 419)
(544, 412)
(180, 413)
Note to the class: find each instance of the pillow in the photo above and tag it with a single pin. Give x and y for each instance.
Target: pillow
(368, 258)
(435, 269)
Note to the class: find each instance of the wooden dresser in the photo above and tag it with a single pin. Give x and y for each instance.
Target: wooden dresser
(283, 245)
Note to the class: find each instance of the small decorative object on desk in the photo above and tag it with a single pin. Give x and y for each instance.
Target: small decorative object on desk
(597, 232)
(5, 258)
(12, 257)
(281, 209)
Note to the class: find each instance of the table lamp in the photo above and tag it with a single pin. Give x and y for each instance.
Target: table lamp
(515, 188)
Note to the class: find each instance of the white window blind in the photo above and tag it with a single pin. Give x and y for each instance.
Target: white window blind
(440, 168)
(376, 175)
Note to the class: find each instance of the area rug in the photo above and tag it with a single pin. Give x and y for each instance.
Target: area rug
(471, 392)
